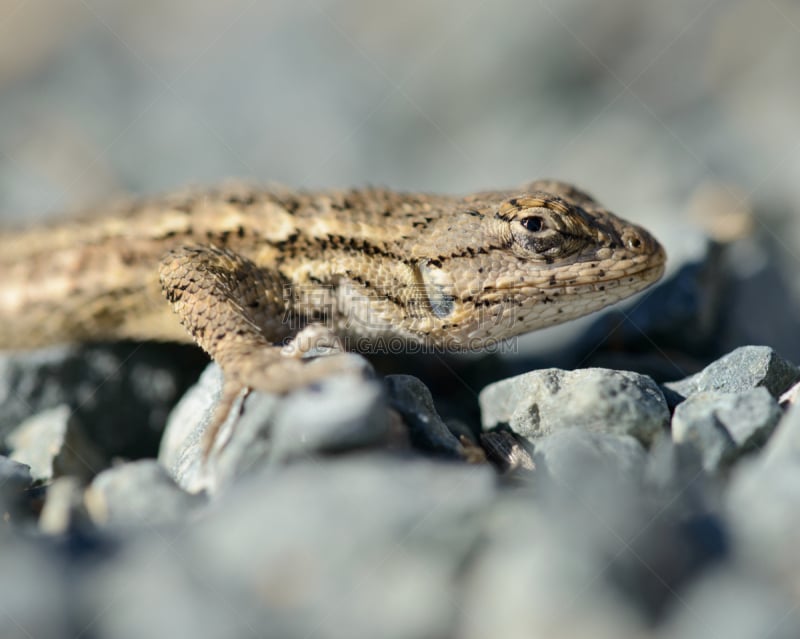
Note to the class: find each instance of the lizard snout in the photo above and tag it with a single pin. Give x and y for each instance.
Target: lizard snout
(640, 242)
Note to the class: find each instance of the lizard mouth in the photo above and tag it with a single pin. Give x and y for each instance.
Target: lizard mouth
(567, 299)
(637, 274)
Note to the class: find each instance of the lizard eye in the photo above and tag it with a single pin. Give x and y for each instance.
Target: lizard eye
(533, 223)
(544, 238)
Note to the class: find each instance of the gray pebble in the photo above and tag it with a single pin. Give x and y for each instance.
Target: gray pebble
(751, 418)
(15, 477)
(763, 503)
(182, 444)
(37, 600)
(428, 432)
(571, 457)
(541, 402)
(121, 393)
(763, 506)
(17, 500)
(536, 577)
(740, 370)
(674, 475)
(506, 452)
(596, 560)
(698, 427)
(784, 445)
(63, 508)
(733, 604)
(138, 495)
(341, 414)
(53, 443)
(337, 414)
(244, 442)
(151, 589)
(305, 549)
(723, 426)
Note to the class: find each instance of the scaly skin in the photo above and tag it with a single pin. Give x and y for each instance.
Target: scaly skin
(448, 271)
(247, 269)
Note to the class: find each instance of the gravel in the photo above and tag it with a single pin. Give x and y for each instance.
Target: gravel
(589, 513)
(541, 402)
(120, 393)
(138, 495)
(724, 426)
(15, 477)
(413, 401)
(340, 414)
(54, 444)
(740, 370)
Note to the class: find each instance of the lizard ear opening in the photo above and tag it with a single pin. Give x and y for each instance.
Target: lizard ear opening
(438, 287)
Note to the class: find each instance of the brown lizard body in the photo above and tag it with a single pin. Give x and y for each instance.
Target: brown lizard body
(246, 269)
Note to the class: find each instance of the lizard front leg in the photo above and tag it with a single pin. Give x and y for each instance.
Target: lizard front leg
(234, 310)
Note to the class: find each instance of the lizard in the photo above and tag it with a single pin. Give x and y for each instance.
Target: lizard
(260, 277)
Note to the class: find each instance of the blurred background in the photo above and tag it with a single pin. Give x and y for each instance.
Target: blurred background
(682, 116)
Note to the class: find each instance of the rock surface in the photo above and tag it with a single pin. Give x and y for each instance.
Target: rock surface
(723, 426)
(541, 402)
(784, 446)
(120, 393)
(53, 443)
(64, 508)
(309, 547)
(740, 370)
(340, 414)
(581, 515)
(428, 432)
(139, 495)
(570, 457)
(15, 477)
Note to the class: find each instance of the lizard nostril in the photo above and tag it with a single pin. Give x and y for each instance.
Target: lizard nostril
(634, 241)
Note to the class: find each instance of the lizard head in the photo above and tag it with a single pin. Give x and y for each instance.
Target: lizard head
(529, 260)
